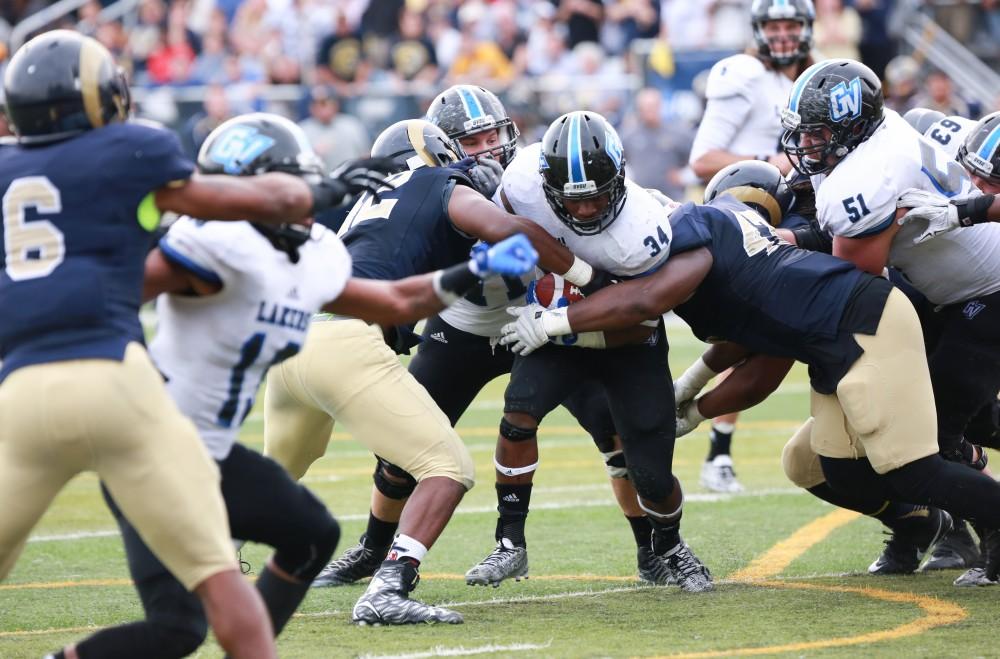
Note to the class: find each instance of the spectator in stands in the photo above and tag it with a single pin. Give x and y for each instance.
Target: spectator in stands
(876, 46)
(546, 45)
(478, 61)
(901, 80)
(209, 65)
(215, 110)
(146, 36)
(508, 35)
(583, 19)
(412, 54)
(626, 20)
(656, 151)
(443, 35)
(334, 135)
(87, 20)
(340, 60)
(172, 60)
(687, 24)
(939, 94)
(837, 30)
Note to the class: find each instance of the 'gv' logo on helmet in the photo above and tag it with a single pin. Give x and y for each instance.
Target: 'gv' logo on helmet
(845, 100)
(238, 146)
(613, 146)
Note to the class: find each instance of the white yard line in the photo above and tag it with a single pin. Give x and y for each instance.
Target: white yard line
(461, 651)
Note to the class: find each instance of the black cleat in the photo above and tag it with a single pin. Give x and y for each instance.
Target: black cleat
(904, 550)
(957, 550)
(358, 562)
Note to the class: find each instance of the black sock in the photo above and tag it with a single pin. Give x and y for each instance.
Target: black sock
(281, 597)
(512, 505)
(641, 529)
(666, 536)
(380, 534)
(720, 443)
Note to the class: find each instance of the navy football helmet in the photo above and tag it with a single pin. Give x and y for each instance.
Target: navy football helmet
(801, 11)
(463, 110)
(414, 143)
(834, 106)
(757, 184)
(980, 153)
(582, 158)
(60, 84)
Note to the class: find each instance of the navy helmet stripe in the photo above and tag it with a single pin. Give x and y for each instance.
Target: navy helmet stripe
(471, 103)
(575, 151)
(990, 144)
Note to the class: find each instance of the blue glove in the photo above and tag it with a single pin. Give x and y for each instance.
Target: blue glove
(512, 256)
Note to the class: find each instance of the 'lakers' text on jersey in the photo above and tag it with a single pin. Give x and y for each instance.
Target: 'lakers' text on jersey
(636, 243)
(63, 294)
(858, 199)
(767, 295)
(258, 318)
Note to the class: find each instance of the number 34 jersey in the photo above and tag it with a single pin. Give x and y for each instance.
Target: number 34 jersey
(215, 350)
(858, 199)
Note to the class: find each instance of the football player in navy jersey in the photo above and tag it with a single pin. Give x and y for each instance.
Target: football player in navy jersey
(431, 219)
(82, 190)
(872, 404)
(249, 290)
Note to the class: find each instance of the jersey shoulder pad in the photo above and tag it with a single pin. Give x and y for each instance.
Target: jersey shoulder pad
(521, 181)
(733, 76)
(334, 262)
(858, 202)
(689, 227)
(141, 157)
(204, 248)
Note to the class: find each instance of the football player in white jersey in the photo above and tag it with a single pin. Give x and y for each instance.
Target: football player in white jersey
(573, 185)
(467, 333)
(745, 94)
(948, 133)
(238, 299)
(861, 158)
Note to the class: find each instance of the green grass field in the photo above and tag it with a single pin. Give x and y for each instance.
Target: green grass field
(807, 596)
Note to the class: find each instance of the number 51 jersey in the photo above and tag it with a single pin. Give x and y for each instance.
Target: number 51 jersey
(214, 350)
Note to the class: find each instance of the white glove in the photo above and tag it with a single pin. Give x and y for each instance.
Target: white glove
(940, 215)
(486, 175)
(692, 381)
(530, 330)
(688, 417)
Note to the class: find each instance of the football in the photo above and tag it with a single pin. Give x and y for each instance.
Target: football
(552, 292)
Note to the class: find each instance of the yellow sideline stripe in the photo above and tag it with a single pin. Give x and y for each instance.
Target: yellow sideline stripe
(54, 630)
(46, 585)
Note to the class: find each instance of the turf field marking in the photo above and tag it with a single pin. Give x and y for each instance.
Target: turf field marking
(54, 630)
(461, 651)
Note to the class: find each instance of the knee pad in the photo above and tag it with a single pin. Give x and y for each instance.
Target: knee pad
(513, 433)
(391, 487)
(799, 462)
(303, 559)
(175, 621)
(614, 463)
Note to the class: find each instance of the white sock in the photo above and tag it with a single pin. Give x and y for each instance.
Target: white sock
(406, 547)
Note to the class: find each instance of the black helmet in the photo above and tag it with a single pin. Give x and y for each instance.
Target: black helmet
(802, 11)
(414, 143)
(922, 118)
(256, 143)
(463, 110)
(60, 84)
(842, 96)
(980, 153)
(582, 158)
(757, 184)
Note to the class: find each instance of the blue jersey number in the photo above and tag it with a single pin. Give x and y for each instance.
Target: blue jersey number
(855, 207)
(654, 245)
(249, 352)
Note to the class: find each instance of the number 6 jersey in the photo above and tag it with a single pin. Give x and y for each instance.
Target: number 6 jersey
(214, 350)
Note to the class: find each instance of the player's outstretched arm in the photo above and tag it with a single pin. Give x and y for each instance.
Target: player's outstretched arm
(274, 198)
(165, 276)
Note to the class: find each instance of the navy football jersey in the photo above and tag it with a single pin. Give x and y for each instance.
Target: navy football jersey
(764, 293)
(406, 231)
(74, 248)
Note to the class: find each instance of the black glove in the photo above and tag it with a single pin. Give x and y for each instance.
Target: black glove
(965, 452)
(351, 179)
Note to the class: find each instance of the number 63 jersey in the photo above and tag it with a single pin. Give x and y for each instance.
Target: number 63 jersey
(858, 199)
(214, 350)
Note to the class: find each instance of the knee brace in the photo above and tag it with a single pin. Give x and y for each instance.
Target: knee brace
(304, 557)
(799, 462)
(513, 433)
(391, 487)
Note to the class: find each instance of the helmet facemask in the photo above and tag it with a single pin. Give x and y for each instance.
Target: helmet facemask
(614, 190)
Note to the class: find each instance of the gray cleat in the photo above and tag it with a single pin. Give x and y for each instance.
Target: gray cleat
(386, 601)
(358, 562)
(686, 570)
(504, 562)
(652, 569)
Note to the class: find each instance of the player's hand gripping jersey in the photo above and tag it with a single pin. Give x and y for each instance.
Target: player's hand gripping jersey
(636, 243)
(63, 295)
(858, 199)
(258, 318)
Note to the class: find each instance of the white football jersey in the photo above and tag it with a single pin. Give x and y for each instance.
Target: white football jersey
(949, 133)
(636, 243)
(484, 311)
(214, 350)
(743, 114)
(858, 198)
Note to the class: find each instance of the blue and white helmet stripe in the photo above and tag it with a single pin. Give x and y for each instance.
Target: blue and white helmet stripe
(800, 84)
(577, 173)
(473, 108)
(989, 147)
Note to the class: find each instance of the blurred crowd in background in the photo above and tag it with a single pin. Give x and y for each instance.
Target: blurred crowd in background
(348, 68)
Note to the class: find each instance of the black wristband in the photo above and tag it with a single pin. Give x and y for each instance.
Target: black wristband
(455, 282)
(973, 210)
(813, 238)
(327, 193)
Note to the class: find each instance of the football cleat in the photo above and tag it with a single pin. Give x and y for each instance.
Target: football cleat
(718, 475)
(652, 569)
(974, 576)
(956, 550)
(686, 570)
(387, 601)
(358, 562)
(504, 562)
(904, 550)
